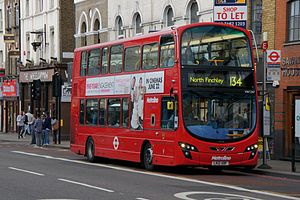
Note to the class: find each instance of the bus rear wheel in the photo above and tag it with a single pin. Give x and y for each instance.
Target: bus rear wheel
(90, 150)
(147, 157)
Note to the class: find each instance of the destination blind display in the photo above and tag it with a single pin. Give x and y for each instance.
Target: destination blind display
(240, 79)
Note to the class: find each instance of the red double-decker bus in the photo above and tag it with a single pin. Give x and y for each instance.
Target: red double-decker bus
(183, 96)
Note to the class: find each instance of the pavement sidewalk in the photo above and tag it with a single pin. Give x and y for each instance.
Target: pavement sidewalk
(278, 167)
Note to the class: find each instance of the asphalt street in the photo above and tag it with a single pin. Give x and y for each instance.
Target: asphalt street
(53, 173)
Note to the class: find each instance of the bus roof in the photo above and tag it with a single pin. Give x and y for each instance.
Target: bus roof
(165, 31)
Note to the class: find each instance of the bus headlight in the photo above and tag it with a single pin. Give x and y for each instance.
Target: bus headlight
(253, 149)
(186, 149)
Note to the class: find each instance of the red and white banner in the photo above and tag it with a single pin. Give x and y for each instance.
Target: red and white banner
(10, 88)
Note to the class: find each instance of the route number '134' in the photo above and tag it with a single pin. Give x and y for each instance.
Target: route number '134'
(235, 81)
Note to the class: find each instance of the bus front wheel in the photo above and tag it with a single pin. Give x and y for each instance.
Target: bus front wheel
(147, 157)
(90, 150)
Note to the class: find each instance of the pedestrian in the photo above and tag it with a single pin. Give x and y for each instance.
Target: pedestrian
(31, 120)
(38, 128)
(20, 125)
(55, 126)
(46, 128)
(26, 125)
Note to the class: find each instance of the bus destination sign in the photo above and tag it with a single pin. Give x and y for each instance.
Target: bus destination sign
(241, 79)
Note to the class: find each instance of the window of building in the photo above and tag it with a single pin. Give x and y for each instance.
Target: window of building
(83, 63)
(17, 15)
(83, 30)
(94, 62)
(39, 6)
(137, 24)
(294, 20)
(116, 59)
(193, 13)
(81, 112)
(102, 113)
(1, 21)
(119, 27)
(125, 112)
(28, 45)
(167, 51)
(9, 18)
(132, 59)
(52, 42)
(27, 8)
(51, 4)
(91, 116)
(168, 18)
(150, 56)
(96, 25)
(104, 61)
(114, 112)
(256, 22)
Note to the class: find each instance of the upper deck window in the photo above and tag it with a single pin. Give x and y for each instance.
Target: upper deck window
(215, 46)
(83, 63)
(104, 61)
(167, 51)
(150, 56)
(94, 62)
(132, 59)
(116, 59)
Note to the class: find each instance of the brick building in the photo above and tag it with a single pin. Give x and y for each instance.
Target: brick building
(287, 40)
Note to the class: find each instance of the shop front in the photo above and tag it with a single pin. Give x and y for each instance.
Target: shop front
(10, 105)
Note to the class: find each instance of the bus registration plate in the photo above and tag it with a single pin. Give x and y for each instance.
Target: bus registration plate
(220, 163)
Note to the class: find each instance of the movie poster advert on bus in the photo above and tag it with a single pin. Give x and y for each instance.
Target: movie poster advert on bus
(124, 84)
(232, 12)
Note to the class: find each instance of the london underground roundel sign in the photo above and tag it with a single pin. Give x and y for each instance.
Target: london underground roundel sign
(273, 56)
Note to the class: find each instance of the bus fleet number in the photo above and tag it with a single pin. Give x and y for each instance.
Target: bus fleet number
(235, 81)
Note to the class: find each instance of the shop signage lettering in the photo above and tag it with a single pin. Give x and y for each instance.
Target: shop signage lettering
(288, 72)
(290, 61)
(43, 75)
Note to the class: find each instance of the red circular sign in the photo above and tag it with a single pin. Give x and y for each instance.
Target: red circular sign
(274, 56)
(264, 45)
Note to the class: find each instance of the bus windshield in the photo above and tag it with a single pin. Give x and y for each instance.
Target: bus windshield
(219, 116)
(218, 88)
(215, 46)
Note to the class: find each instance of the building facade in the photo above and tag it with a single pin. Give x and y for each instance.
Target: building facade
(288, 93)
(47, 29)
(2, 59)
(91, 22)
(11, 53)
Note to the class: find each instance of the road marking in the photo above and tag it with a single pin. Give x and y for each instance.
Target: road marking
(160, 175)
(26, 171)
(141, 199)
(183, 195)
(86, 185)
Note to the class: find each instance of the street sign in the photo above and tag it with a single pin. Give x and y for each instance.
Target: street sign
(267, 122)
(273, 56)
(264, 45)
(231, 12)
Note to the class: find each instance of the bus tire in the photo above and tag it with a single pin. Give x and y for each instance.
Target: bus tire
(147, 157)
(90, 150)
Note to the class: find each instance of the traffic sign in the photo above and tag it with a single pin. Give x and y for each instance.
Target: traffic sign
(273, 56)
(264, 45)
